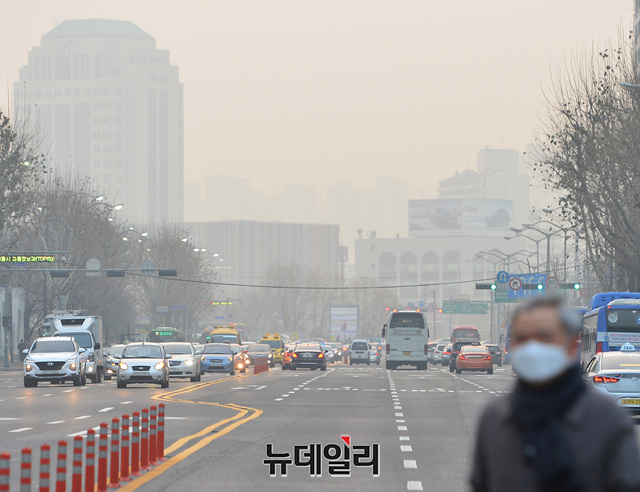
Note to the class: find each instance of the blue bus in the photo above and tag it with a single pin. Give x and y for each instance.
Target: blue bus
(612, 319)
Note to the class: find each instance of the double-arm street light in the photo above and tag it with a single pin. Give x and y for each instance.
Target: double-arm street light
(520, 233)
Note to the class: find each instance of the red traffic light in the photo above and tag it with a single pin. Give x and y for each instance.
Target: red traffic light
(440, 310)
(387, 309)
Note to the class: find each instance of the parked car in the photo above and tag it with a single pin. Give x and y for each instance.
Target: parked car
(144, 362)
(112, 359)
(309, 355)
(185, 362)
(359, 352)
(474, 358)
(217, 357)
(55, 360)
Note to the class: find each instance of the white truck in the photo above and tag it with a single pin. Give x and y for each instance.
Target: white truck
(407, 340)
(87, 330)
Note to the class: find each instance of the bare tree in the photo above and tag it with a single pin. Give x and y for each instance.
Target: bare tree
(590, 156)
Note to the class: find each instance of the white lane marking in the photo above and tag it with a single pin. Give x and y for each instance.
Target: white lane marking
(402, 427)
(176, 418)
(22, 429)
(11, 386)
(406, 449)
(399, 414)
(405, 438)
(400, 421)
(82, 417)
(21, 398)
(48, 394)
(105, 409)
(55, 422)
(260, 387)
(67, 391)
(126, 403)
(414, 485)
(410, 464)
(277, 399)
(9, 418)
(84, 388)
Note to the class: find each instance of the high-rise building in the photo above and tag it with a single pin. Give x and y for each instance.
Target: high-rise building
(110, 107)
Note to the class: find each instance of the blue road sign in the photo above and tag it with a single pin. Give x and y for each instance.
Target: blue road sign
(502, 277)
(422, 304)
(535, 278)
(411, 305)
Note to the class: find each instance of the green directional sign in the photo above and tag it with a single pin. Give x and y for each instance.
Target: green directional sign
(464, 307)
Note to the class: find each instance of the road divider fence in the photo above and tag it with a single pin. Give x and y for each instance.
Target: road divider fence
(260, 365)
(128, 455)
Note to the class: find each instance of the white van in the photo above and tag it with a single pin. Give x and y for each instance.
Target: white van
(87, 330)
(407, 340)
(359, 352)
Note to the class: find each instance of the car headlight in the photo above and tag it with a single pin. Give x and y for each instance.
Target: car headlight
(28, 367)
(158, 366)
(203, 358)
(73, 366)
(270, 356)
(123, 366)
(29, 360)
(188, 362)
(229, 359)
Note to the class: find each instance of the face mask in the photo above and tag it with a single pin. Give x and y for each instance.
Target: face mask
(537, 362)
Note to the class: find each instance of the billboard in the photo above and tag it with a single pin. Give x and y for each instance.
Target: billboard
(343, 322)
(452, 216)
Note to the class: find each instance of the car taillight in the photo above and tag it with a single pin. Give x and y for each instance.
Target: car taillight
(604, 379)
(598, 347)
(426, 350)
(320, 355)
(377, 353)
(294, 355)
(487, 357)
(388, 348)
(447, 353)
(462, 357)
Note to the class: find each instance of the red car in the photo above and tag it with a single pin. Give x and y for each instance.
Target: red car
(474, 358)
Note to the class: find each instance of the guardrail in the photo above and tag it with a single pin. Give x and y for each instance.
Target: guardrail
(127, 457)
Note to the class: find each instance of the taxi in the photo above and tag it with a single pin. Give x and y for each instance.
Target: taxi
(617, 374)
(276, 342)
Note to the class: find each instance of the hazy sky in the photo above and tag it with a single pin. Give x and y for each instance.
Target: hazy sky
(313, 92)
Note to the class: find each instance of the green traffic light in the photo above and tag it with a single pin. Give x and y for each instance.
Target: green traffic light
(493, 286)
(540, 286)
(576, 286)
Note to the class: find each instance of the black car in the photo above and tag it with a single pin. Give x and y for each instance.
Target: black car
(309, 355)
(455, 350)
(496, 353)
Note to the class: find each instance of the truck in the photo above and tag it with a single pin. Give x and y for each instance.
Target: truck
(276, 342)
(88, 332)
(406, 339)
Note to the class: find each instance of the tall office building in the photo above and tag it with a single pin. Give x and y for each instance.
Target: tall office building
(110, 106)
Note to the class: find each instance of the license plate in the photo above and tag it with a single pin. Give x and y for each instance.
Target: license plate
(307, 356)
(49, 372)
(216, 366)
(631, 401)
(138, 373)
(406, 353)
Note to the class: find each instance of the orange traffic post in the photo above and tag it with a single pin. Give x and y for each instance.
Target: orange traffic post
(114, 481)
(135, 445)
(76, 465)
(45, 468)
(102, 457)
(90, 467)
(144, 444)
(61, 467)
(160, 442)
(153, 417)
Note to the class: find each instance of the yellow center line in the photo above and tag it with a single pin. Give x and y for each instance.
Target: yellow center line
(244, 414)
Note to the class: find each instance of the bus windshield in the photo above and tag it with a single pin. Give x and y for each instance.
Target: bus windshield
(224, 338)
(623, 325)
(407, 320)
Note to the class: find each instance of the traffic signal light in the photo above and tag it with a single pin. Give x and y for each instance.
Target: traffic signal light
(540, 286)
(440, 310)
(486, 286)
(387, 309)
(570, 285)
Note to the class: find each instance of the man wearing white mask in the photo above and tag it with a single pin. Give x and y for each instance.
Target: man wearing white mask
(552, 432)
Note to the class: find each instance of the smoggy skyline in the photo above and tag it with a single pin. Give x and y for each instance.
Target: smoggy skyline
(287, 92)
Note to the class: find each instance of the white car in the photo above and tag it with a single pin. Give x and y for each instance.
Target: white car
(55, 360)
(145, 363)
(437, 353)
(617, 374)
(185, 362)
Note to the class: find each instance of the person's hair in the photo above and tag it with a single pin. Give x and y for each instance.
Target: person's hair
(569, 319)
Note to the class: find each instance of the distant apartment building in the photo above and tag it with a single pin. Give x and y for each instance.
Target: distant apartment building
(110, 107)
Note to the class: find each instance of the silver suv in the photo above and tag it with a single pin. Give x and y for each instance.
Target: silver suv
(55, 360)
(143, 362)
(184, 363)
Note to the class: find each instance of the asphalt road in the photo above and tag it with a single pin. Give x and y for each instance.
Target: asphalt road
(217, 431)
